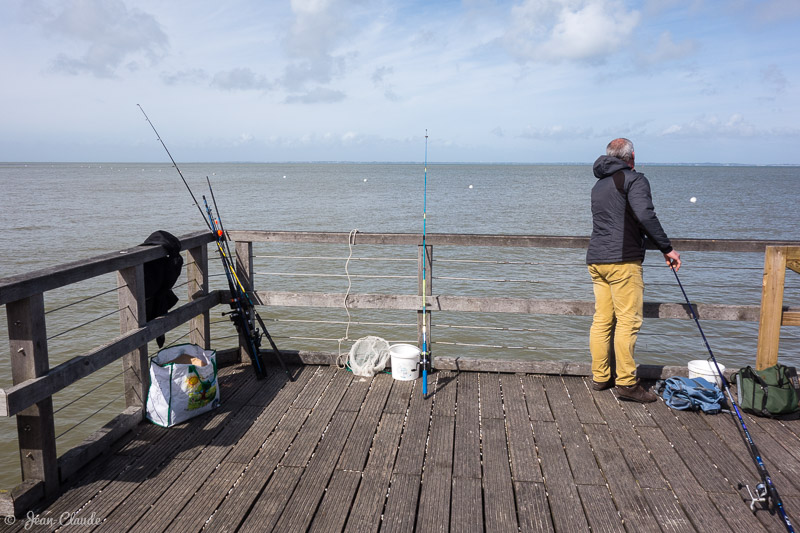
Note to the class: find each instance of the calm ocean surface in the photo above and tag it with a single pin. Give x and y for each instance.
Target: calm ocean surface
(57, 213)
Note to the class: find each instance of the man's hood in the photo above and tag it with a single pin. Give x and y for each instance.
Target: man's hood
(607, 165)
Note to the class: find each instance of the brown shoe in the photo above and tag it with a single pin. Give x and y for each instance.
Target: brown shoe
(602, 385)
(635, 393)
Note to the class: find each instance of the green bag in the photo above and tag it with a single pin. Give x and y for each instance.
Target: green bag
(769, 392)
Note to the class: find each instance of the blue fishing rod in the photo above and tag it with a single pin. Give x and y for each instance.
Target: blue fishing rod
(766, 490)
(425, 355)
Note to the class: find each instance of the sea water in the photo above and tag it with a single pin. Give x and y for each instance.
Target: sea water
(53, 213)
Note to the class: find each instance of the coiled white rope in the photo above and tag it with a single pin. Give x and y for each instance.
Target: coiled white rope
(341, 361)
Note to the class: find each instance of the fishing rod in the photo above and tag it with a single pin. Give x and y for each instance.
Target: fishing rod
(239, 316)
(242, 294)
(766, 490)
(242, 307)
(174, 164)
(425, 355)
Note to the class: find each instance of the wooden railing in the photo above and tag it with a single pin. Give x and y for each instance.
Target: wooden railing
(34, 382)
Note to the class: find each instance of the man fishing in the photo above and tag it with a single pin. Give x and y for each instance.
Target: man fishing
(623, 219)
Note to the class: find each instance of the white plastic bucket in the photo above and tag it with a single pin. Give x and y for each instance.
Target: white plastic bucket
(405, 359)
(706, 369)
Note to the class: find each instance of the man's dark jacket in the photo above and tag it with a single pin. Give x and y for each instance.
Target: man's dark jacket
(622, 214)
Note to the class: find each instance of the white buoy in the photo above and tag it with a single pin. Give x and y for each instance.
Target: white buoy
(470, 186)
(365, 179)
(284, 177)
(693, 199)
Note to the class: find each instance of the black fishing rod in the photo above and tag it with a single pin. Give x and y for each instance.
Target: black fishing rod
(242, 307)
(240, 293)
(766, 491)
(239, 316)
(174, 164)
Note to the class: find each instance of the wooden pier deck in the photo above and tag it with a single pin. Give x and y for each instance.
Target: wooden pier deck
(484, 452)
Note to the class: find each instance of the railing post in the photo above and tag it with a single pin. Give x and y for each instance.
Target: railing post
(244, 271)
(769, 323)
(29, 359)
(197, 276)
(130, 283)
(424, 315)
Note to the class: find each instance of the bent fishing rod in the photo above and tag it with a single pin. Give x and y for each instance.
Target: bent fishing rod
(766, 491)
(242, 308)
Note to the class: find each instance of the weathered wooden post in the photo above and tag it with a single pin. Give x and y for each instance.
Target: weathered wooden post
(772, 316)
(197, 276)
(29, 359)
(424, 315)
(130, 291)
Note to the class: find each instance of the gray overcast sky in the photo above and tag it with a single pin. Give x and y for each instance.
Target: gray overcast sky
(332, 80)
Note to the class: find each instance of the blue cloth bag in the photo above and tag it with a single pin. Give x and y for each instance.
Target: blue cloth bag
(693, 394)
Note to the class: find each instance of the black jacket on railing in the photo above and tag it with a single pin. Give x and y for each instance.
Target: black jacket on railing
(160, 275)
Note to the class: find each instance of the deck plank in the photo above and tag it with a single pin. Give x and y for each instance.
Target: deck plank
(234, 509)
(203, 504)
(533, 510)
(580, 456)
(467, 458)
(690, 452)
(521, 446)
(365, 515)
(466, 513)
(628, 496)
(401, 504)
(639, 460)
(434, 504)
(536, 398)
(561, 488)
(668, 511)
(582, 399)
(498, 507)
(356, 450)
(271, 502)
(491, 401)
(335, 506)
(600, 510)
(411, 455)
(483, 452)
(301, 506)
(445, 393)
(144, 497)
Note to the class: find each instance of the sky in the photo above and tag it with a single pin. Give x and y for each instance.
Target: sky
(528, 81)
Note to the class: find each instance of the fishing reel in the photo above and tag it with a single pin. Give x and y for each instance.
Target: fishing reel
(759, 497)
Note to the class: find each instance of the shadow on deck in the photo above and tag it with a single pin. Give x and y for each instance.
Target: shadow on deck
(486, 452)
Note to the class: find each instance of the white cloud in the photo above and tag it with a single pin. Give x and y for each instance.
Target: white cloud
(107, 35)
(557, 30)
(556, 132)
(319, 27)
(666, 49)
(316, 95)
(734, 126)
(240, 79)
(769, 11)
(190, 76)
(773, 76)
